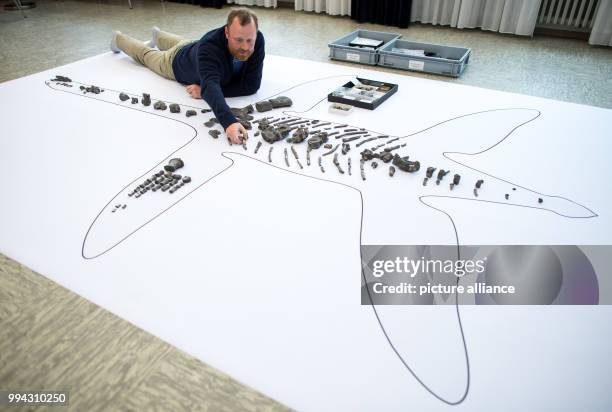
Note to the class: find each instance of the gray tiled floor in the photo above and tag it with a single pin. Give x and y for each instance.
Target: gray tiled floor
(50, 337)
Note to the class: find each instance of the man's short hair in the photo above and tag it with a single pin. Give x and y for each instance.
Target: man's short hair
(245, 16)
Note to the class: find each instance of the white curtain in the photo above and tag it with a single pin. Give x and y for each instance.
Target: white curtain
(332, 7)
(505, 16)
(444, 12)
(601, 33)
(261, 3)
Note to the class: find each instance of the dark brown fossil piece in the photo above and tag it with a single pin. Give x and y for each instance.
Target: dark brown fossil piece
(123, 97)
(146, 99)
(386, 157)
(91, 89)
(59, 78)
(374, 164)
(391, 171)
(345, 148)
(361, 163)
(403, 164)
(298, 136)
(350, 134)
(258, 146)
(350, 139)
(320, 125)
(134, 100)
(479, 183)
(270, 154)
(321, 165)
(175, 108)
(337, 164)
(366, 141)
(430, 171)
(174, 164)
(441, 174)
(280, 101)
(159, 105)
(190, 113)
(286, 158)
(275, 103)
(263, 106)
(317, 140)
(331, 151)
(214, 133)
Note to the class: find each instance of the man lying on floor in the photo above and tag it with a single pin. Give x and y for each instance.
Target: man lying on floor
(225, 62)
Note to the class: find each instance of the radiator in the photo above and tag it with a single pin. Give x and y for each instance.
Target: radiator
(570, 15)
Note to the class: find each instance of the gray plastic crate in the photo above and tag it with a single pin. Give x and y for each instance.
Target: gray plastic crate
(340, 49)
(449, 61)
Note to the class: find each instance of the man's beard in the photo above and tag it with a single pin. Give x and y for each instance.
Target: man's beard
(242, 57)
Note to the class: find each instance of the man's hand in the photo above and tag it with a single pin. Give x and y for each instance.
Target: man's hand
(194, 91)
(236, 133)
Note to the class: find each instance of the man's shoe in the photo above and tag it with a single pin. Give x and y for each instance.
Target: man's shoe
(113, 44)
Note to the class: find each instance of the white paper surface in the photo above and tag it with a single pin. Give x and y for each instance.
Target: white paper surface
(255, 268)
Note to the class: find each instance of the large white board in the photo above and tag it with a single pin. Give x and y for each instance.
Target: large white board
(254, 267)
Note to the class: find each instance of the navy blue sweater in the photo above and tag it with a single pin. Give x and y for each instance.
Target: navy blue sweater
(209, 63)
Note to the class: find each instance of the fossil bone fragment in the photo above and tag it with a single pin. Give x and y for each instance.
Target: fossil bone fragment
(406, 165)
(159, 105)
(280, 101)
(331, 151)
(174, 164)
(366, 141)
(295, 153)
(337, 164)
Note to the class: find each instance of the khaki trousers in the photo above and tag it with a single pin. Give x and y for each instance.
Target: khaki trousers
(160, 61)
